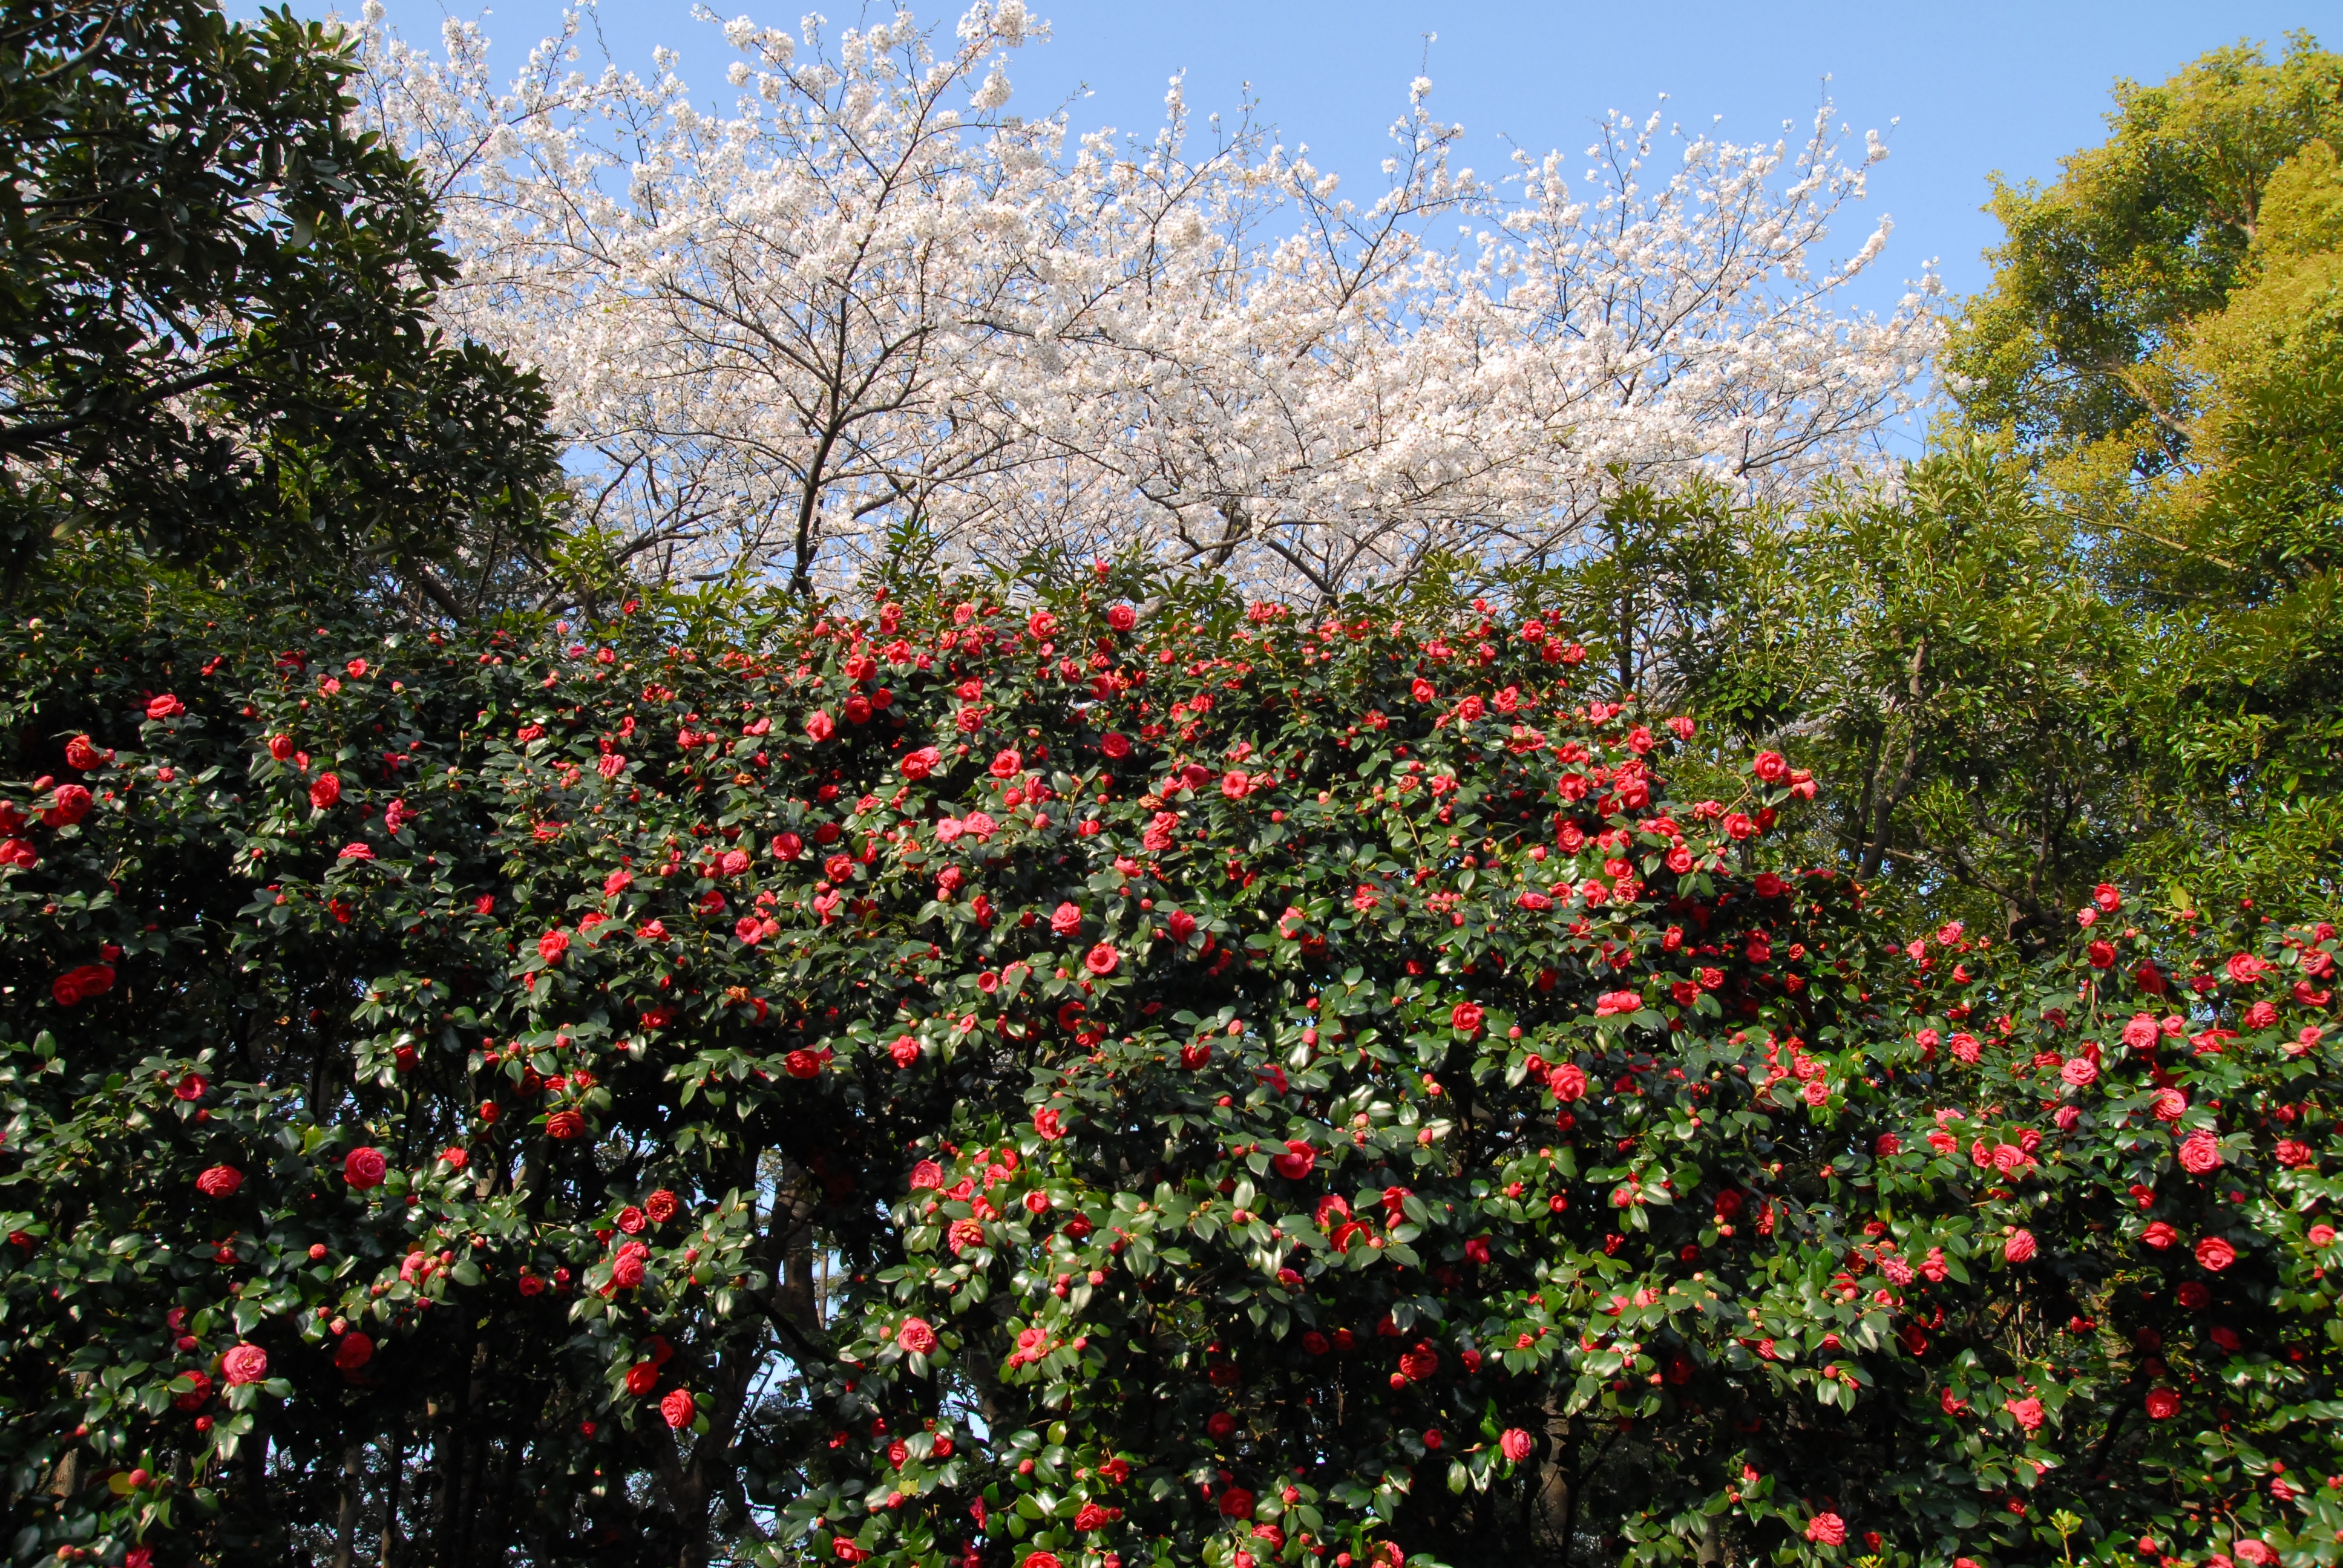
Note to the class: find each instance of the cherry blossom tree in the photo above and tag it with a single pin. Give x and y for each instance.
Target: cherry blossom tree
(870, 317)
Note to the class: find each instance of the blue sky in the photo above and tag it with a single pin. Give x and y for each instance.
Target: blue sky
(1976, 86)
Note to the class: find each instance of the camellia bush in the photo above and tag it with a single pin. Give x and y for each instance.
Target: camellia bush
(1128, 1078)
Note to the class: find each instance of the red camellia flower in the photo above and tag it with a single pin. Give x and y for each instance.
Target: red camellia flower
(1514, 1444)
(2292, 1154)
(1041, 1560)
(1826, 1529)
(364, 1168)
(552, 945)
(164, 706)
(2244, 968)
(82, 754)
(1568, 1081)
(915, 1337)
(564, 1125)
(245, 1363)
(1465, 1018)
(1298, 1161)
(220, 1181)
(918, 765)
(1237, 1503)
(71, 804)
(355, 1350)
(819, 727)
(193, 1397)
(2215, 1254)
(2019, 1248)
(1115, 744)
(1773, 768)
(76, 986)
(679, 1408)
(2163, 1403)
(1121, 616)
(661, 1206)
(1049, 1123)
(2102, 955)
(325, 790)
(2159, 1235)
(1101, 960)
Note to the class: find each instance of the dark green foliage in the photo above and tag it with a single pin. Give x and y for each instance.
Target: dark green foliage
(213, 295)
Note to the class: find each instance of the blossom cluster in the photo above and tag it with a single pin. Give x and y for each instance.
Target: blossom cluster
(1313, 1080)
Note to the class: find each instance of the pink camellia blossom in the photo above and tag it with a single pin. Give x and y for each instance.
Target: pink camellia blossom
(915, 1337)
(1514, 1444)
(1568, 1081)
(819, 727)
(2215, 1254)
(679, 1408)
(2019, 1248)
(2080, 1071)
(1066, 919)
(2244, 968)
(364, 1168)
(1101, 960)
(2199, 1152)
(245, 1363)
(1826, 1529)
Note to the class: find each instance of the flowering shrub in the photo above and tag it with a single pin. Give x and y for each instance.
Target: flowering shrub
(1269, 1091)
